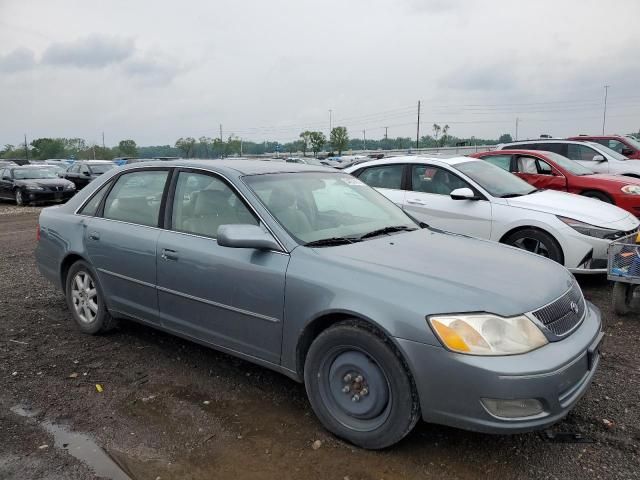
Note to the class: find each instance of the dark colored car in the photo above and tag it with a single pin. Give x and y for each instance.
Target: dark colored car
(34, 184)
(624, 145)
(83, 172)
(6, 163)
(548, 170)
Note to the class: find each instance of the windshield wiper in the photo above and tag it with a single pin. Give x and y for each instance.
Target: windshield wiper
(535, 190)
(387, 230)
(511, 195)
(328, 242)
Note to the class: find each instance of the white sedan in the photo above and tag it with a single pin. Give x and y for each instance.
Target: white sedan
(472, 197)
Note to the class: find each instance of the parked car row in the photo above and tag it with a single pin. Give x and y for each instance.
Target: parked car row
(309, 271)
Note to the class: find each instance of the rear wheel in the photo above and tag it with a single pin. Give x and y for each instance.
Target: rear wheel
(603, 197)
(359, 387)
(536, 241)
(85, 300)
(19, 198)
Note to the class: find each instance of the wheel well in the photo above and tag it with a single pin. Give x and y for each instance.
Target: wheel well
(631, 175)
(64, 268)
(320, 324)
(599, 192)
(531, 227)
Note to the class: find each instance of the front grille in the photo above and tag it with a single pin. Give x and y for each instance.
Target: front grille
(563, 315)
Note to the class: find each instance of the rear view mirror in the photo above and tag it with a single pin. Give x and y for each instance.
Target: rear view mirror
(246, 236)
(599, 158)
(463, 194)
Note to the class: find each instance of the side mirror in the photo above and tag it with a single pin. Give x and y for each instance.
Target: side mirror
(463, 194)
(246, 236)
(86, 174)
(6, 177)
(627, 152)
(599, 158)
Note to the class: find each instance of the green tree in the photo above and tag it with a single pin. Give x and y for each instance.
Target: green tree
(317, 140)
(128, 148)
(206, 144)
(186, 146)
(339, 139)
(505, 138)
(306, 141)
(44, 148)
(445, 134)
(436, 131)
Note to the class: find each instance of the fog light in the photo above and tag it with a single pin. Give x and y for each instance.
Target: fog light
(526, 407)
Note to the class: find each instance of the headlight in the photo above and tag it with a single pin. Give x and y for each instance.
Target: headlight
(487, 334)
(590, 230)
(70, 186)
(631, 189)
(33, 186)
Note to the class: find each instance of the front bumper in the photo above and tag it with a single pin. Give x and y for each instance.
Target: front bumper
(45, 196)
(451, 385)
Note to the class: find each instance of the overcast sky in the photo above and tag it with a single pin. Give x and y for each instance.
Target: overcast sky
(267, 69)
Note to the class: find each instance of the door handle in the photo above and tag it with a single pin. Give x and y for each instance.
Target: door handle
(94, 236)
(415, 201)
(168, 254)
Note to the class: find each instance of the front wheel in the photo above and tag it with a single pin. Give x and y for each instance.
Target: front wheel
(85, 300)
(19, 198)
(359, 387)
(536, 241)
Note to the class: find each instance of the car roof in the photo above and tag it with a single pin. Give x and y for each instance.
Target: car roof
(95, 162)
(237, 167)
(30, 165)
(418, 159)
(543, 140)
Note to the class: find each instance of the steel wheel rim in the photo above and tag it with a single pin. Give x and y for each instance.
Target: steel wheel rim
(84, 296)
(532, 245)
(372, 404)
(18, 197)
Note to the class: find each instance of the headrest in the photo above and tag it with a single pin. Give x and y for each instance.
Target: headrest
(211, 202)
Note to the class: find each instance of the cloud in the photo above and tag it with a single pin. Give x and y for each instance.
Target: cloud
(480, 78)
(151, 70)
(18, 60)
(94, 51)
(434, 6)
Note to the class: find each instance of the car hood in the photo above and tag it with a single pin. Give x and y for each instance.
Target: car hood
(44, 182)
(584, 209)
(445, 273)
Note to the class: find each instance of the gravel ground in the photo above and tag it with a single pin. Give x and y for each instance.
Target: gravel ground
(173, 409)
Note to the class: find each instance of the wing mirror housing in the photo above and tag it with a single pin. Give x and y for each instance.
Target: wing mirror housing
(627, 152)
(599, 158)
(246, 236)
(463, 194)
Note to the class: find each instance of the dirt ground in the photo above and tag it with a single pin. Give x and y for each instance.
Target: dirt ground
(171, 409)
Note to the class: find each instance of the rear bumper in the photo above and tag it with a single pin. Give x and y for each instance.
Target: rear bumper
(451, 386)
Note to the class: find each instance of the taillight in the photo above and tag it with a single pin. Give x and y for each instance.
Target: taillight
(38, 233)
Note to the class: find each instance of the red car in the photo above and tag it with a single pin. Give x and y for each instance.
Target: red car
(624, 145)
(548, 170)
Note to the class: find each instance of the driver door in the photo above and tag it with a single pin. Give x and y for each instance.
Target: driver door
(429, 201)
(584, 155)
(539, 173)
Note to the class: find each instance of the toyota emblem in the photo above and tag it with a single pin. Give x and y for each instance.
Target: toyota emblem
(574, 307)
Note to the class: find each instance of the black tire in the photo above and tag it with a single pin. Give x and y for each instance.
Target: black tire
(387, 408)
(85, 318)
(621, 298)
(536, 241)
(603, 197)
(19, 198)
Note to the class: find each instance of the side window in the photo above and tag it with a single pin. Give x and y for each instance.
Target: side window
(527, 165)
(136, 197)
(204, 202)
(502, 161)
(429, 179)
(84, 169)
(75, 168)
(2, 173)
(386, 176)
(91, 207)
(581, 152)
(544, 168)
(615, 145)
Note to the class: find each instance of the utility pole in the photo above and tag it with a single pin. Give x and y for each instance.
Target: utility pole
(240, 146)
(517, 121)
(386, 130)
(418, 128)
(103, 141)
(604, 116)
(330, 122)
(364, 139)
(26, 149)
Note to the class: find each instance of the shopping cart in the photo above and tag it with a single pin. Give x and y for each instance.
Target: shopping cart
(623, 268)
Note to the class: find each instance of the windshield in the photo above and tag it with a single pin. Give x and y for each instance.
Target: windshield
(495, 180)
(34, 173)
(632, 141)
(314, 206)
(102, 168)
(608, 151)
(569, 165)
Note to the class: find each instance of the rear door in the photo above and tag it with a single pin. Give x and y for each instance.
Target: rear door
(229, 297)
(429, 201)
(5, 182)
(539, 173)
(387, 179)
(121, 241)
(584, 155)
